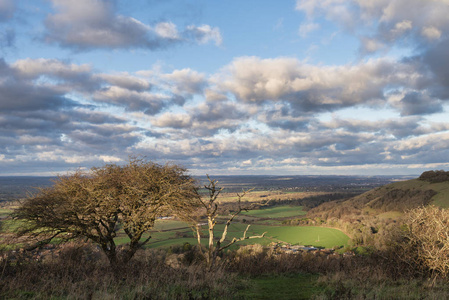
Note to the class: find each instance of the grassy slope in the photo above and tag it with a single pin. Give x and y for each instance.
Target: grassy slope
(379, 201)
(440, 199)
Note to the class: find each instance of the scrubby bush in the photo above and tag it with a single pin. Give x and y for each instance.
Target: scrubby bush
(423, 240)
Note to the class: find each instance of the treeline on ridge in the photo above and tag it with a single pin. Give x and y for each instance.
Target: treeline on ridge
(435, 176)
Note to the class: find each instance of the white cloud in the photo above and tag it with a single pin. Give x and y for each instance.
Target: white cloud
(173, 120)
(167, 30)
(110, 159)
(205, 33)
(87, 24)
(401, 27)
(258, 114)
(125, 80)
(247, 162)
(371, 45)
(33, 68)
(382, 22)
(150, 103)
(307, 28)
(431, 33)
(186, 81)
(312, 88)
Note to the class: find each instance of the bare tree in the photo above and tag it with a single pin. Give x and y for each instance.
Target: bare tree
(210, 207)
(98, 204)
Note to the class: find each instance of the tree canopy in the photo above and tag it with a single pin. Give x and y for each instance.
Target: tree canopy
(99, 203)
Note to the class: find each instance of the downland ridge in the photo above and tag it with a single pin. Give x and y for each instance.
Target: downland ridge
(391, 200)
(370, 218)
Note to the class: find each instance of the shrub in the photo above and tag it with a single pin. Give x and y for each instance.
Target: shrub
(422, 241)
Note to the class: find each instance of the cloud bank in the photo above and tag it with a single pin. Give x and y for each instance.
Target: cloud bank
(253, 115)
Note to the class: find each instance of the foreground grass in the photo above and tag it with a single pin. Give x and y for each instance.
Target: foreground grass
(289, 286)
(252, 272)
(81, 272)
(336, 286)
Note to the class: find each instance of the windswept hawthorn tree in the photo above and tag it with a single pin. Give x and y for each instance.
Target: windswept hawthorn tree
(99, 203)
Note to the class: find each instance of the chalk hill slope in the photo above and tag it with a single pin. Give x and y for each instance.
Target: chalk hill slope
(432, 187)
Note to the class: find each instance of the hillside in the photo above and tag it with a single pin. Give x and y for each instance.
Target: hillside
(431, 187)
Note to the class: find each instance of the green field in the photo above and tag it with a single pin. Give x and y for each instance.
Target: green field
(169, 225)
(303, 235)
(309, 235)
(167, 233)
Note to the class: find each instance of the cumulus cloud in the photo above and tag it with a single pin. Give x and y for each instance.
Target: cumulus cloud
(309, 88)
(381, 25)
(282, 116)
(34, 68)
(436, 59)
(397, 128)
(431, 33)
(413, 103)
(47, 72)
(39, 114)
(256, 114)
(205, 119)
(167, 30)
(383, 22)
(18, 94)
(149, 103)
(257, 110)
(126, 81)
(52, 76)
(88, 24)
(186, 81)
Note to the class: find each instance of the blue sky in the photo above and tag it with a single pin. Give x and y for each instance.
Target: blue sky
(225, 87)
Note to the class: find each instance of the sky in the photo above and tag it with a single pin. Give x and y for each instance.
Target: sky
(322, 87)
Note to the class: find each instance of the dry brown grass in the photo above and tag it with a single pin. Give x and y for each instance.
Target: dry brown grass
(79, 272)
